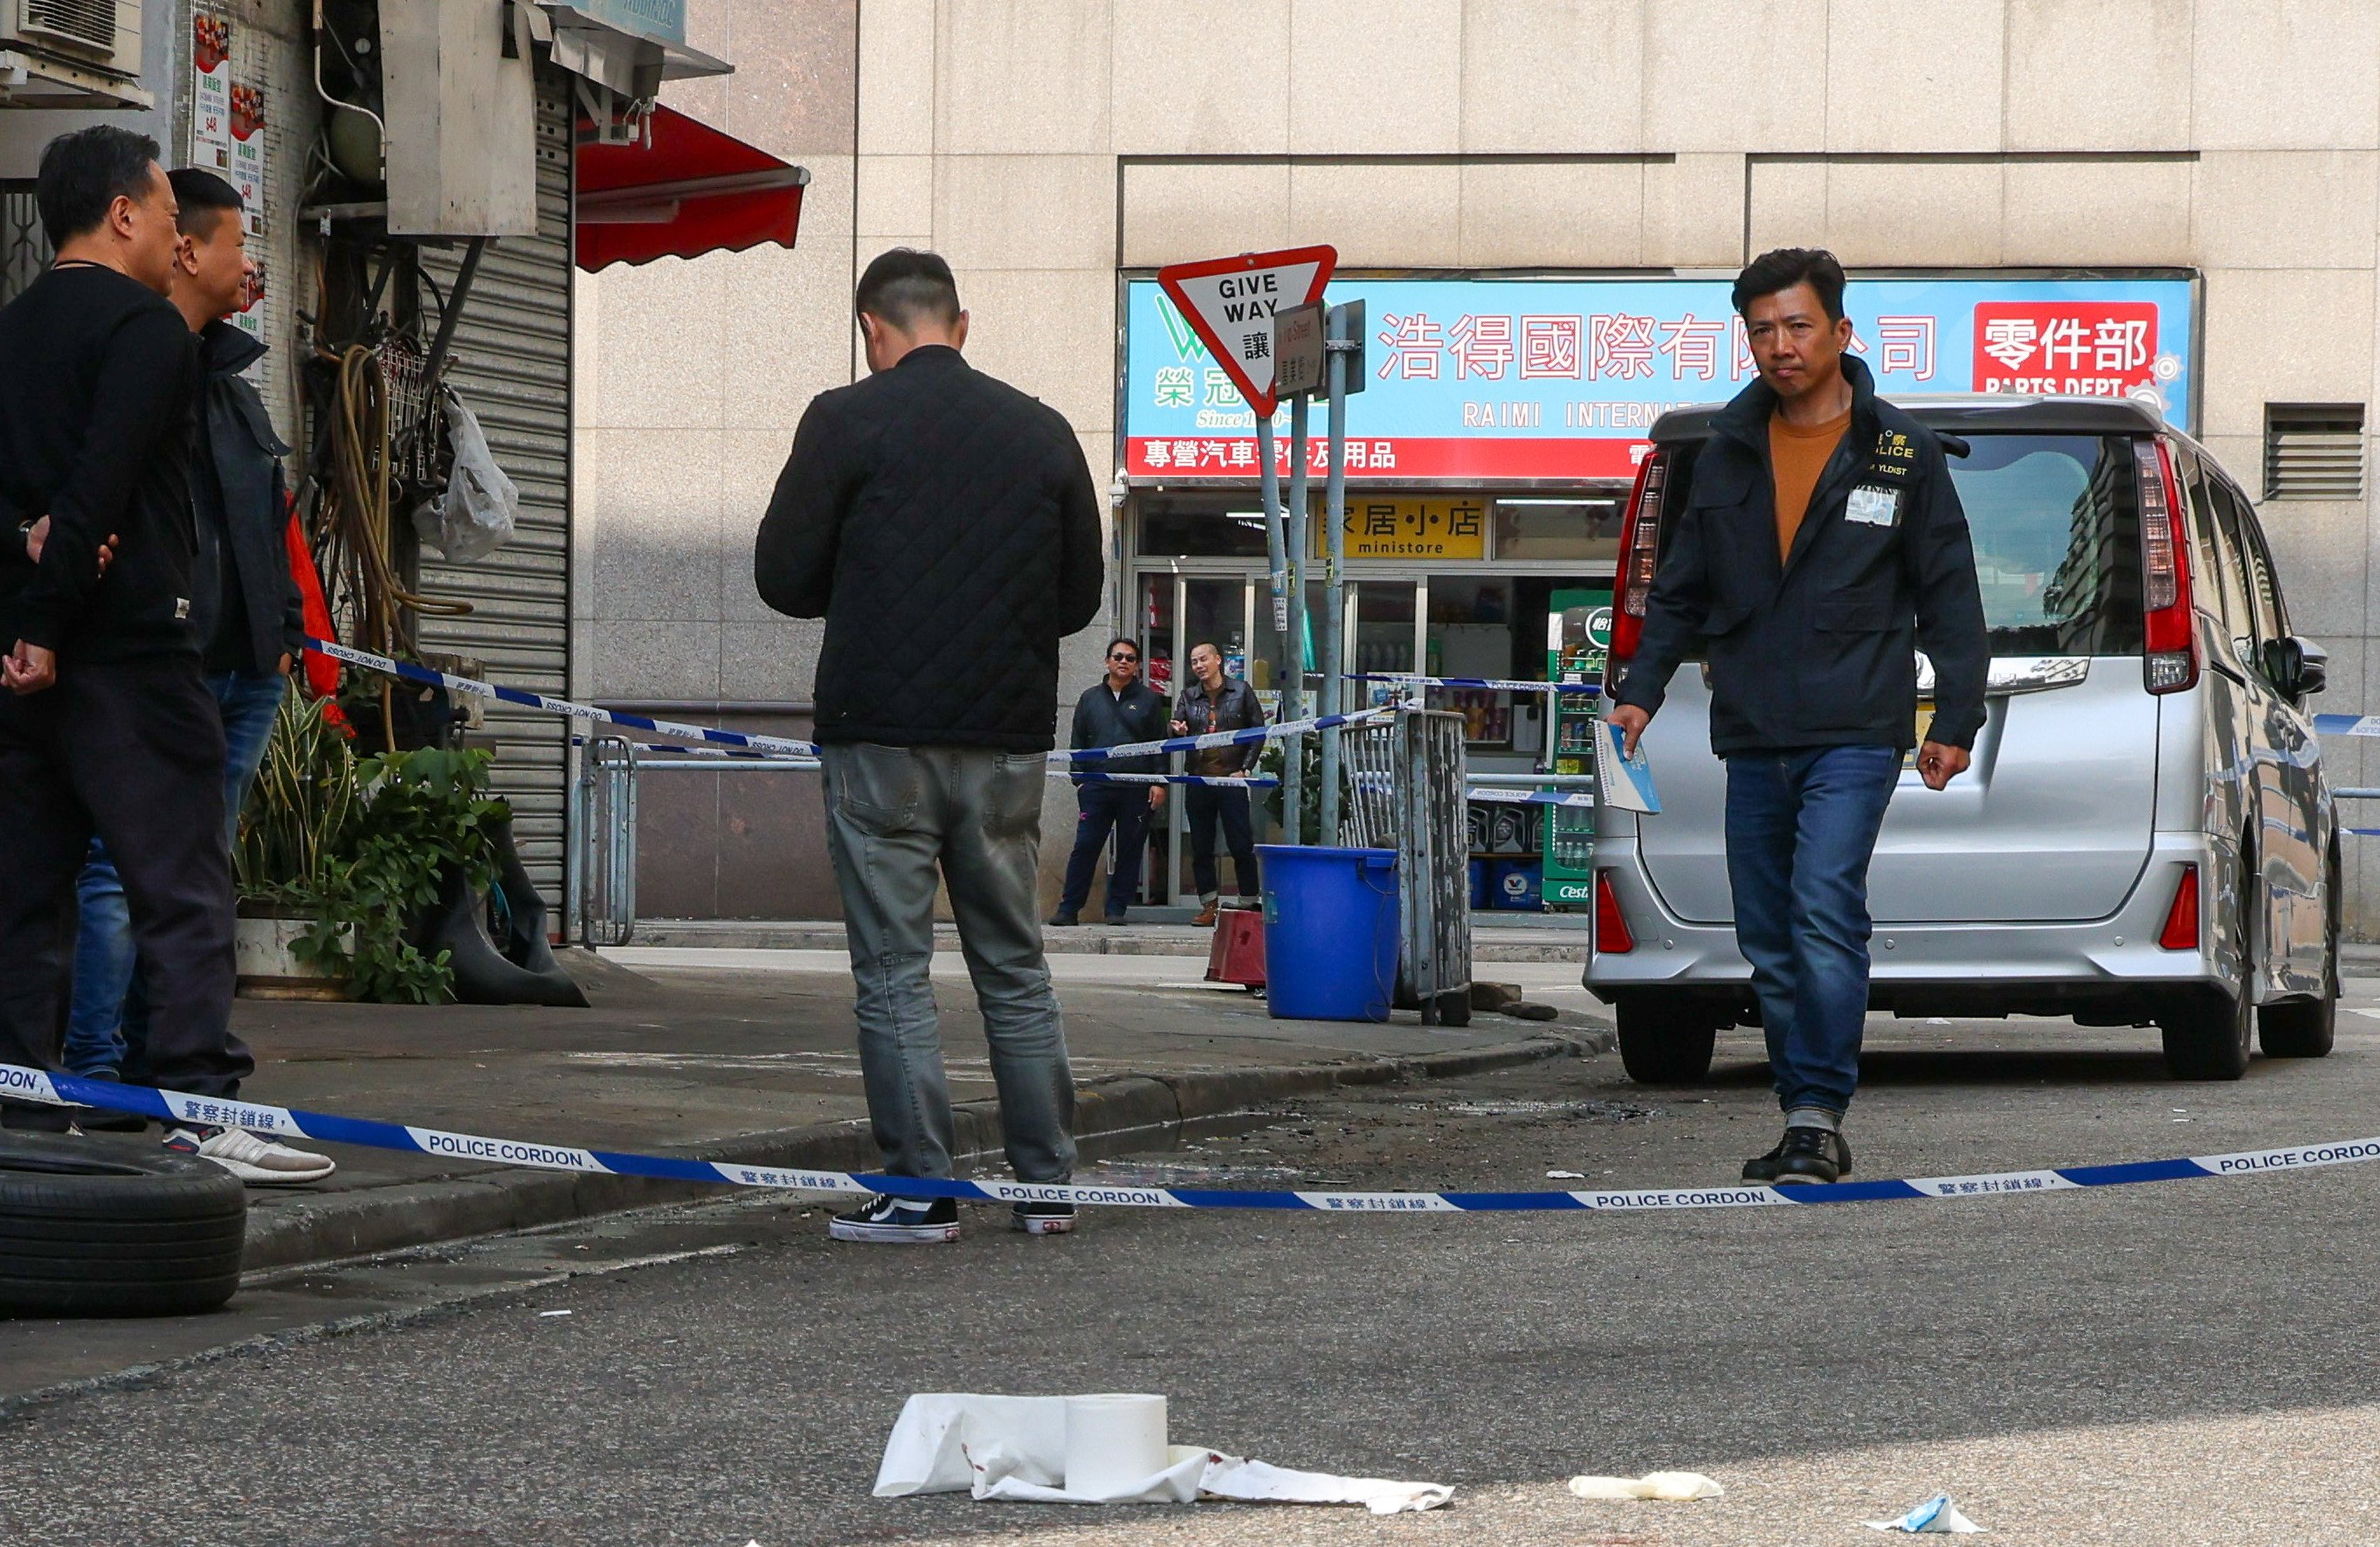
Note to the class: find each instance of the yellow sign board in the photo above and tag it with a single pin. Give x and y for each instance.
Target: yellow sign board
(1391, 527)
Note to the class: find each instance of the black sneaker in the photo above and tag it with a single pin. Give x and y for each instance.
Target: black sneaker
(1042, 1219)
(1115, 918)
(891, 1220)
(1062, 920)
(1770, 1166)
(1813, 1156)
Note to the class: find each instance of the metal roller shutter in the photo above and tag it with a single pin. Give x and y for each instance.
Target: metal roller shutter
(510, 364)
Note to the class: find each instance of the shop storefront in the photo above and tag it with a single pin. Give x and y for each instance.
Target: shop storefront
(1489, 460)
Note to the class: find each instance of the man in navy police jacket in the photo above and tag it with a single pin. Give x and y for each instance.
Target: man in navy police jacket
(1820, 547)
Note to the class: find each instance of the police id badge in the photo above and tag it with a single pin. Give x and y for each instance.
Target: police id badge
(1873, 505)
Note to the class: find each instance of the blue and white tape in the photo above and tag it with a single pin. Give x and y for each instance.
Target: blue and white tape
(743, 741)
(1493, 684)
(1532, 797)
(1220, 780)
(524, 699)
(32, 1085)
(2347, 725)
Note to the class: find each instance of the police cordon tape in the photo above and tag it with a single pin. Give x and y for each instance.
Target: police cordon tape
(1221, 781)
(1494, 684)
(19, 1083)
(712, 734)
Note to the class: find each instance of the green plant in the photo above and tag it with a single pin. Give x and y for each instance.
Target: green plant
(303, 803)
(425, 811)
(360, 850)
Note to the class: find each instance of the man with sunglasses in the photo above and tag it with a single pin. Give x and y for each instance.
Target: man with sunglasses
(1116, 711)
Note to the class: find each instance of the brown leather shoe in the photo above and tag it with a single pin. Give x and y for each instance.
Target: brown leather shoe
(1205, 917)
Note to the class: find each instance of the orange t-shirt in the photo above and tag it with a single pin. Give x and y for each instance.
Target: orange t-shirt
(1796, 457)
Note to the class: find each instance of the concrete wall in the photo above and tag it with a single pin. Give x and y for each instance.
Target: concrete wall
(1042, 143)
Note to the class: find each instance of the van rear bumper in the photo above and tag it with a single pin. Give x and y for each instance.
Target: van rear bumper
(2098, 969)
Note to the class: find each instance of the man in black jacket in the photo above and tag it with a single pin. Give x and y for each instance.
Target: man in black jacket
(243, 612)
(1215, 701)
(946, 527)
(106, 726)
(1118, 709)
(1821, 546)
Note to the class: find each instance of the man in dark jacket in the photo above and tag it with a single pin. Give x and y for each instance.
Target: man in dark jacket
(244, 611)
(1821, 546)
(1118, 709)
(1215, 701)
(107, 725)
(946, 527)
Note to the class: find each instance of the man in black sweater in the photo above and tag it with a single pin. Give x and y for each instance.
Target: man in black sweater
(946, 527)
(106, 725)
(244, 608)
(1117, 710)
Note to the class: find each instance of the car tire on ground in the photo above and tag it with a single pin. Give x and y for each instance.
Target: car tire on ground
(1665, 1038)
(88, 1228)
(2307, 1028)
(2208, 1035)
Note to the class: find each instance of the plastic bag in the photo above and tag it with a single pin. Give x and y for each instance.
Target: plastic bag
(476, 517)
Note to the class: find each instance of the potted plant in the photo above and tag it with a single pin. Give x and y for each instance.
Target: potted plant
(349, 854)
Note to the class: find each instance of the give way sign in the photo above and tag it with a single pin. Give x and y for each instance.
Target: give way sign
(1230, 302)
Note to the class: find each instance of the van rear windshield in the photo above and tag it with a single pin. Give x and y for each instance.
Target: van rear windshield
(2055, 525)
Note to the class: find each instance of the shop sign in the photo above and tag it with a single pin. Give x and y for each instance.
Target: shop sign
(1455, 529)
(1561, 378)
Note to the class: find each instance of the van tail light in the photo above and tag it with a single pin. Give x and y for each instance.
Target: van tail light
(2170, 637)
(2180, 932)
(1640, 546)
(1611, 936)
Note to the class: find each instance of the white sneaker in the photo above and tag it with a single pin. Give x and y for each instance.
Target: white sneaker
(252, 1158)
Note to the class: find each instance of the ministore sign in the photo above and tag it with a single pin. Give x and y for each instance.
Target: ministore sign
(1454, 528)
(1561, 379)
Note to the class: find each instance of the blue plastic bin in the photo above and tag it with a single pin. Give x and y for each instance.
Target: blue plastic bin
(1330, 931)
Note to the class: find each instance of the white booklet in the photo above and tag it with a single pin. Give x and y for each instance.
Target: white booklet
(1624, 782)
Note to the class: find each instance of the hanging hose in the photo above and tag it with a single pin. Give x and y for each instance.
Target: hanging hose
(357, 524)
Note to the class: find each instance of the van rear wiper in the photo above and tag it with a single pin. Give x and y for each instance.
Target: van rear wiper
(1955, 445)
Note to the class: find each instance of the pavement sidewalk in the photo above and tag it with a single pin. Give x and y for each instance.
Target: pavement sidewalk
(756, 1062)
(1507, 937)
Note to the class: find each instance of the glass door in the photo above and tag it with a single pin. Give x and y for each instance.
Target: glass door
(1176, 614)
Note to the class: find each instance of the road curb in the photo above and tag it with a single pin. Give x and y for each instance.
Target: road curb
(1112, 1115)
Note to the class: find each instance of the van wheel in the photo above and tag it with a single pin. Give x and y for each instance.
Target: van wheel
(1665, 1038)
(2305, 1028)
(89, 1229)
(2207, 1035)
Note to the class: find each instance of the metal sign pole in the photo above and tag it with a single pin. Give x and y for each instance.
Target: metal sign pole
(1276, 546)
(1334, 502)
(1293, 687)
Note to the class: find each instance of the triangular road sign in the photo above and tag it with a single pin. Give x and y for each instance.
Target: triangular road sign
(1230, 302)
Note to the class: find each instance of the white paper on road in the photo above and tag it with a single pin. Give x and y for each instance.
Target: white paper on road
(1675, 1487)
(1936, 1513)
(1016, 1448)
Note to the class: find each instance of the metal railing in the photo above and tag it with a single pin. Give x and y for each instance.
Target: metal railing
(603, 870)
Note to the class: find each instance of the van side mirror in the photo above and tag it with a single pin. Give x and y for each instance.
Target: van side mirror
(2297, 666)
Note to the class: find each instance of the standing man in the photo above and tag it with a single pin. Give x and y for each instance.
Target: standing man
(244, 608)
(1216, 703)
(945, 525)
(1118, 709)
(1822, 546)
(106, 726)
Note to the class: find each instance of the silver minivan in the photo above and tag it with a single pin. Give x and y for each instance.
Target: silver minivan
(2145, 836)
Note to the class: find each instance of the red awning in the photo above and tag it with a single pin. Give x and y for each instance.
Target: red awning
(691, 190)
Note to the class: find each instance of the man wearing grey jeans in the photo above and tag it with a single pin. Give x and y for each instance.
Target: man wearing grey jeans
(946, 527)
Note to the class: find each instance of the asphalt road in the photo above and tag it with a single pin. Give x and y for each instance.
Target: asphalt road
(2182, 1363)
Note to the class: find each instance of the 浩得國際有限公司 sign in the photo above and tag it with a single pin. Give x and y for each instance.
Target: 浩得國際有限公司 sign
(1561, 378)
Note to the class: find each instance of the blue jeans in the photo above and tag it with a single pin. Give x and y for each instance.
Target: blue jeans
(107, 1030)
(1800, 827)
